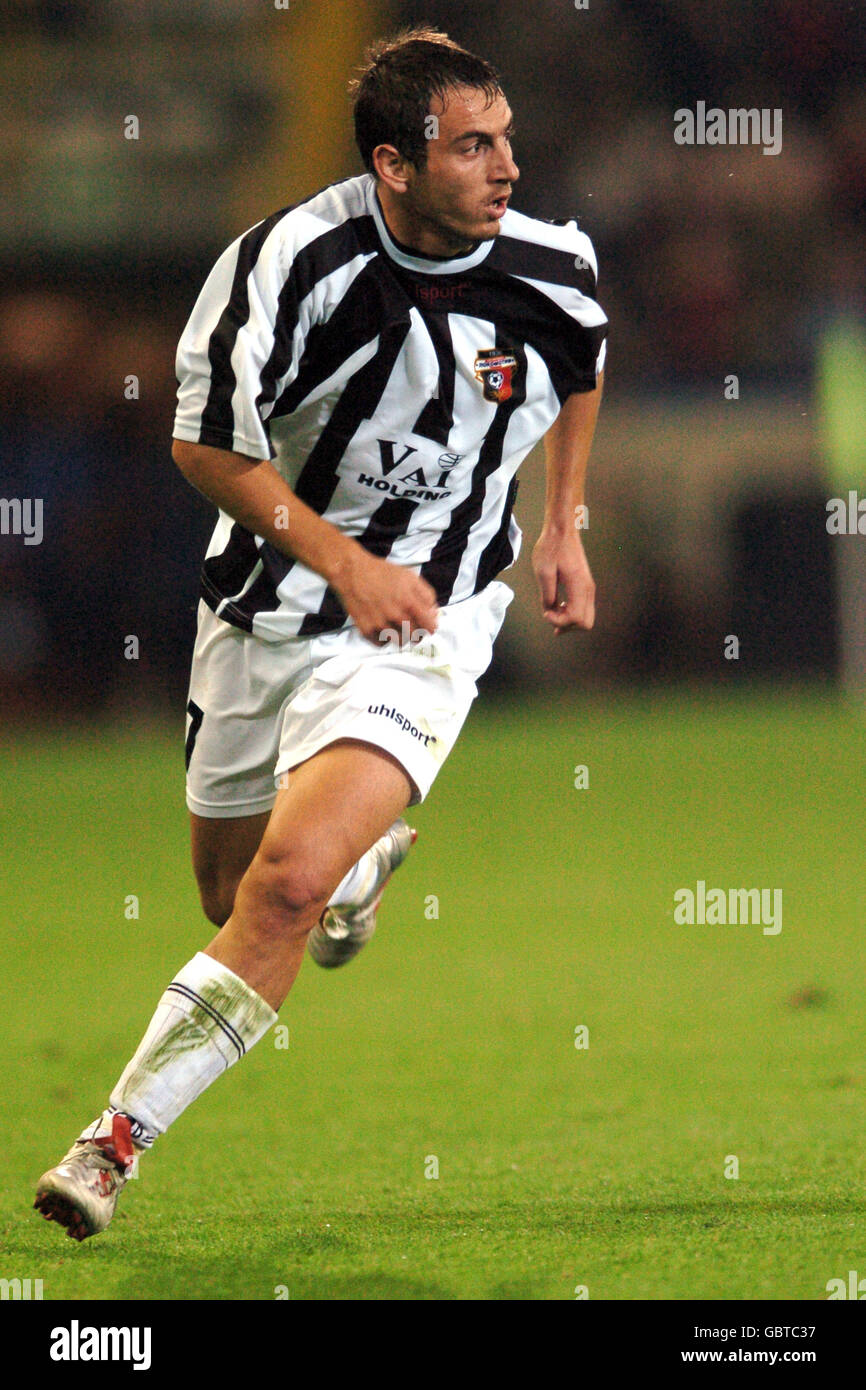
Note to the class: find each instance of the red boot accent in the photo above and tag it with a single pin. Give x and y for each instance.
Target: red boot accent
(119, 1143)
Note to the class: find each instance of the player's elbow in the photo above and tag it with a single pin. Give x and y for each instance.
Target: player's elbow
(194, 462)
(185, 455)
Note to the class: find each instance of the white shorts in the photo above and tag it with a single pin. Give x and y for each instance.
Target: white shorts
(257, 709)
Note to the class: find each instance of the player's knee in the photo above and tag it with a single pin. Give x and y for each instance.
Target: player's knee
(289, 890)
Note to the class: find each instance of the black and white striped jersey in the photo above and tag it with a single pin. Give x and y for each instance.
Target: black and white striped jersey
(395, 393)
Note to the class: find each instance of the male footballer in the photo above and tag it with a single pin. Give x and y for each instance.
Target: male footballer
(360, 379)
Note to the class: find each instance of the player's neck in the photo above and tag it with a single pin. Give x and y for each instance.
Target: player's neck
(414, 234)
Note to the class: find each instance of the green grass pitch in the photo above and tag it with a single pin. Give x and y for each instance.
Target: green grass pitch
(306, 1171)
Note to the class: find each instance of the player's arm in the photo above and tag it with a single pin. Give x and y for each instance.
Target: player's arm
(375, 593)
(564, 580)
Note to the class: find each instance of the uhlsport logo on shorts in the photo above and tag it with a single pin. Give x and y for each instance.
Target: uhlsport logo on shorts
(403, 722)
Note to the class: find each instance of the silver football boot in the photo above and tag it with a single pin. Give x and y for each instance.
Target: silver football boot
(345, 927)
(81, 1192)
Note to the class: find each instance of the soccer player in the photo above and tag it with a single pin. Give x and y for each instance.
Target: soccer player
(360, 379)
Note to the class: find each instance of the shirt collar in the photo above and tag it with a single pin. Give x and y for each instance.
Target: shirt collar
(416, 260)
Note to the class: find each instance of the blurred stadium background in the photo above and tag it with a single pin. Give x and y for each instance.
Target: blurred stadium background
(455, 1035)
(706, 513)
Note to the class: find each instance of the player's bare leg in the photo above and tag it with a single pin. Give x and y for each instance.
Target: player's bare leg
(224, 847)
(222, 851)
(334, 807)
(337, 804)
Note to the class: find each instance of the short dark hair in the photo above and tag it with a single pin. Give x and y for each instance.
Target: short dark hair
(392, 96)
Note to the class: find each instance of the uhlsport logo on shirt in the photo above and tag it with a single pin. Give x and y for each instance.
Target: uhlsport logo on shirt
(434, 295)
(495, 370)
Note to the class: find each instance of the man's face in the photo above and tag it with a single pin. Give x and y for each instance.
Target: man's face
(461, 194)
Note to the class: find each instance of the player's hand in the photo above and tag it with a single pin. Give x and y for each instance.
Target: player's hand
(385, 601)
(565, 582)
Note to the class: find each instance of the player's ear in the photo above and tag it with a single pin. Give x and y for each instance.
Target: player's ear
(392, 167)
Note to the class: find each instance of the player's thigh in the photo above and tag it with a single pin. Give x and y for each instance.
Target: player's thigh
(334, 806)
(223, 849)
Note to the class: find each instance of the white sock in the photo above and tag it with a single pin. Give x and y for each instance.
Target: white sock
(356, 879)
(206, 1019)
(153, 1097)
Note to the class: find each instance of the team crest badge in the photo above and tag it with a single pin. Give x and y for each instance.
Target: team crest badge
(495, 370)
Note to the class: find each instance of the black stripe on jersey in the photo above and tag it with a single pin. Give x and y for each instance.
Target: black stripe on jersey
(444, 563)
(319, 476)
(261, 596)
(320, 258)
(568, 349)
(387, 524)
(351, 325)
(227, 573)
(371, 302)
(357, 320)
(217, 419)
(437, 418)
(497, 554)
(359, 401)
(517, 257)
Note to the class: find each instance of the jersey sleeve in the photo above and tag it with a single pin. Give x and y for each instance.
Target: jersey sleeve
(242, 345)
(567, 275)
(587, 311)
